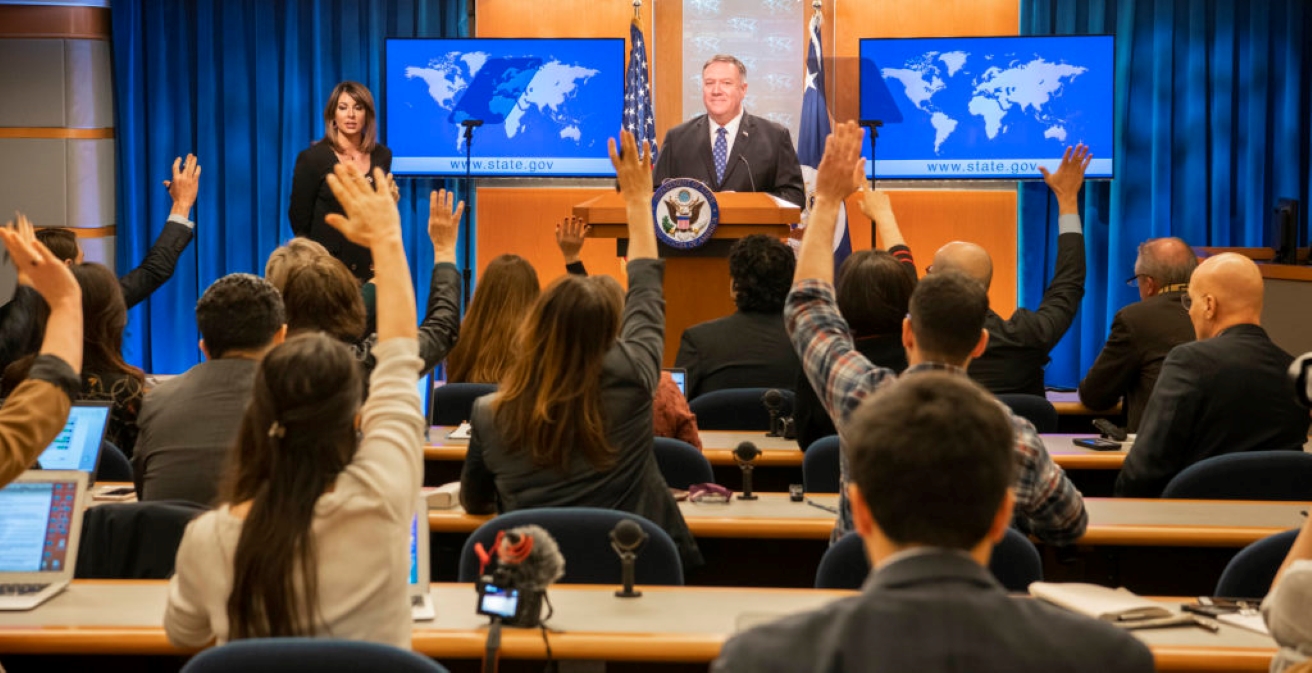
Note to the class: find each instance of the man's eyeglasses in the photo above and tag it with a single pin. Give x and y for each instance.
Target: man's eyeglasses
(1186, 301)
(1133, 281)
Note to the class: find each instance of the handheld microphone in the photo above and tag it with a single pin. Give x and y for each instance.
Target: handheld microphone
(774, 403)
(627, 539)
(1110, 430)
(744, 455)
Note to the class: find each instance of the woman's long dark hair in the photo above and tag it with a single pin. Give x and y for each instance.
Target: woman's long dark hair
(550, 398)
(297, 435)
(104, 317)
(506, 292)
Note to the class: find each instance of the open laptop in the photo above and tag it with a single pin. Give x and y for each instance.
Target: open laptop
(679, 375)
(40, 526)
(77, 447)
(421, 604)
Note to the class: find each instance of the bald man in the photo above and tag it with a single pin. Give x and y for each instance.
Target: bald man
(1224, 393)
(1144, 332)
(1018, 347)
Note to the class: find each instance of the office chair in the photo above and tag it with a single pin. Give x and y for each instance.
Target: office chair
(133, 540)
(1015, 563)
(1250, 573)
(583, 534)
(114, 464)
(1034, 408)
(452, 403)
(821, 466)
(309, 655)
(736, 409)
(1251, 475)
(681, 463)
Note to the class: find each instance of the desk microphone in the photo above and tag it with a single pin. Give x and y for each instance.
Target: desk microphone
(627, 539)
(751, 180)
(774, 403)
(744, 455)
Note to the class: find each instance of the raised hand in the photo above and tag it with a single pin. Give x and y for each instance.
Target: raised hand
(396, 190)
(837, 175)
(47, 274)
(184, 185)
(371, 214)
(569, 237)
(1069, 178)
(444, 224)
(632, 169)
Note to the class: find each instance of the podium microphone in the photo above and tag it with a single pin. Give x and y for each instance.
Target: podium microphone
(627, 539)
(744, 455)
(774, 403)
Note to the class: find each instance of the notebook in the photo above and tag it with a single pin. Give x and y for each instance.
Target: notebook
(1099, 602)
(40, 526)
(77, 447)
(679, 376)
(421, 604)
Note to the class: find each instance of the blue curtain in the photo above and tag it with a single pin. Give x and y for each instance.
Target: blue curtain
(1212, 127)
(241, 83)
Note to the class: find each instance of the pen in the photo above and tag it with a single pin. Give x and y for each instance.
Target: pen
(827, 508)
(1209, 624)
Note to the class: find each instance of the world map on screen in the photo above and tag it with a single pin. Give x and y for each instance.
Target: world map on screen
(1021, 100)
(537, 99)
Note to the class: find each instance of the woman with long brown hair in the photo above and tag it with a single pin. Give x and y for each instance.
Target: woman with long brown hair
(350, 137)
(506, 291)
(313, 534)
(571, 425)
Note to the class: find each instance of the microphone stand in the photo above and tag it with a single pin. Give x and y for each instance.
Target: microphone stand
(873, 125)
(747, 468)
(467, 272)
(627, 559)
(491, 652)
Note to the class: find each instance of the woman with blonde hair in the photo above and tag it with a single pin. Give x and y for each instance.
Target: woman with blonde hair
(571, 425)
(505, 294)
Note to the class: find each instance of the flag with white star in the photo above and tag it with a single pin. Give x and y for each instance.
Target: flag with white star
(813, 131)
(639, 118)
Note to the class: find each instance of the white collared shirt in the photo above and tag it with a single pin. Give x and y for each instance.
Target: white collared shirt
(732, 128)
(912, 552)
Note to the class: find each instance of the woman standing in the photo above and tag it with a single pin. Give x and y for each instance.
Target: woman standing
(350, 136)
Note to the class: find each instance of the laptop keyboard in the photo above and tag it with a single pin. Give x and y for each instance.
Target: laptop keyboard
(21, 589)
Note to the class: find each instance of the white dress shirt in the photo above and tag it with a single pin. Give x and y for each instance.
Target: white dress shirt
(732, 128)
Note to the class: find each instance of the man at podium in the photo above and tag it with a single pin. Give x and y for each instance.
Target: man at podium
(728, 149)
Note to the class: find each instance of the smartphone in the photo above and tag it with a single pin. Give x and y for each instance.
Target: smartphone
(494, 601)
(115, 494)
(1097, 443)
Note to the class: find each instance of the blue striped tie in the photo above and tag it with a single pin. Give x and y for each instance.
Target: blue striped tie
(721, 153)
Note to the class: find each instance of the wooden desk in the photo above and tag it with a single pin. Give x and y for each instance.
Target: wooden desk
(718, 446)
(668, 624)
(1069, 404)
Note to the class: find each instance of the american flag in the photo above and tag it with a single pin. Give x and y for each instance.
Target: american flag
(638, 116)
(813, 132)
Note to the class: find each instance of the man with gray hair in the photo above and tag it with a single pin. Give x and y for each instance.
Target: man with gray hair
(727, 148)
(1143, 333)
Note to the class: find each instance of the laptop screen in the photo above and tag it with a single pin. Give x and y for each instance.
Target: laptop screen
(77, 447)
(678, 375)
(36, 522)
(414, 548)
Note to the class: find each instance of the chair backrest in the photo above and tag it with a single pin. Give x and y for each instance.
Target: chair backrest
(1251, 475)
(317, 655)
(1034, 408)
(133, 540)
(681, 463)
(1015, 563)
(737, 409)
(114, 464)
(820, 466)
(583, 534)
(1250, 573)
(452, 403)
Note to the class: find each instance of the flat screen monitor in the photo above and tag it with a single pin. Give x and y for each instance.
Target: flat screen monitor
(970, 108)
(547, 106)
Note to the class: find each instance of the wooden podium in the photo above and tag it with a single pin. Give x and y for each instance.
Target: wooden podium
(696, 281)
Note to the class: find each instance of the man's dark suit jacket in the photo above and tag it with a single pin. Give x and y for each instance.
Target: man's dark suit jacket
(1141, 336)
(157, 267)
(936, 612)
(1018, 347)
(762, 159)
(740, 350)
(1226, 394)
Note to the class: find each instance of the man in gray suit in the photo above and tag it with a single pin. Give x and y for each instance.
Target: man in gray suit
(188, 423)
(931, 603)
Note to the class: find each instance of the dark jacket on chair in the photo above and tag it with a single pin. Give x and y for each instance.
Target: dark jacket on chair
(1226, 394)
(935, 611)
(1141, 336)
(499, 477)
(133, 540)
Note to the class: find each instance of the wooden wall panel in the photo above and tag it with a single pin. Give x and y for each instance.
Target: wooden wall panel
(523, 221)
(54, 21)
